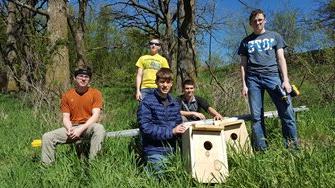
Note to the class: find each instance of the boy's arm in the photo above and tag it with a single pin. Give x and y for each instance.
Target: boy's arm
(76, 133)
(180, 128)
(283, 70)
(214, 113)
(192, 113)
(243, 67)
(139, 75)
(67, 123)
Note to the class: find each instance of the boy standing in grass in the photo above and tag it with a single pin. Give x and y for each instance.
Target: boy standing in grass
(263, 67)
(147, 67)
(81, 107)
(160, 122)
(192, 104)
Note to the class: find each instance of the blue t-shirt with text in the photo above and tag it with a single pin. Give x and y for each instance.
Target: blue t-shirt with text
(261, 52)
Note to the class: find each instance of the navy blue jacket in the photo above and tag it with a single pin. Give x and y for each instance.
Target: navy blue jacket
(156, 123)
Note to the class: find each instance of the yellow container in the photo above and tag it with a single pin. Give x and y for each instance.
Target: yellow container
(36, 143)
(295, 91)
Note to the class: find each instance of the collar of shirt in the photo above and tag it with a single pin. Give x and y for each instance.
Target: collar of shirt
(192, 100)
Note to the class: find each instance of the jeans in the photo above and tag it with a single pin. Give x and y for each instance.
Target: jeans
(156, 164)
(257, 84)
(146, 91)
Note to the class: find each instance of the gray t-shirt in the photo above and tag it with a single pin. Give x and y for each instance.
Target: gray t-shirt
(261, 52)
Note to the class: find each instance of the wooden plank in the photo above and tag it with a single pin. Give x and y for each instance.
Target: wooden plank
(217, 125)
(135, 132)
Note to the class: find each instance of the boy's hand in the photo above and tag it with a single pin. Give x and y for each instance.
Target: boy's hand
(76, 133)
(179, 129)
(287, 87)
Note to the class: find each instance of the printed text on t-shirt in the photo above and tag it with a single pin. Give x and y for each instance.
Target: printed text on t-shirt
(260, 45)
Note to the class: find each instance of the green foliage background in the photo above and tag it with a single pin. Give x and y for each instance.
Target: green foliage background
(117, 166)
(112, 55)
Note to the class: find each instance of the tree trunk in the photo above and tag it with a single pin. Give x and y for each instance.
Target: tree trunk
(11, 49)
(168, 38)
(78, 32)
(80, 48)
(186, 64)
(28, 63)
(58, 73)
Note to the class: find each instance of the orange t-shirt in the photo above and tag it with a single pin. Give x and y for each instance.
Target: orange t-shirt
(80, 106)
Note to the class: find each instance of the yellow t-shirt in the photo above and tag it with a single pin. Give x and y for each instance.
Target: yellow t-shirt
(150, 65)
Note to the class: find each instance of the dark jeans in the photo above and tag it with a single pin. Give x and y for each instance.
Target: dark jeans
(146, 91)
(257, 84)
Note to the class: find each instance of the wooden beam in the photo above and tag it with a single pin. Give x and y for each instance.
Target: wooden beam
(246, 117)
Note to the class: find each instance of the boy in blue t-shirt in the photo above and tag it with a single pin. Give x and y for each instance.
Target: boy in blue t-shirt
(263, 67)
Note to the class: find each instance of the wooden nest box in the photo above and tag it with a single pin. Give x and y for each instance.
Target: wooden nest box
(204, 147)
(236, 136)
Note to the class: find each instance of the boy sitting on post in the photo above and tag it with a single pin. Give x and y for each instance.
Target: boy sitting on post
(81, 107)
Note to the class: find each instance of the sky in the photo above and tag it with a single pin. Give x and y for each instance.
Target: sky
(270, 5)
(234, 8)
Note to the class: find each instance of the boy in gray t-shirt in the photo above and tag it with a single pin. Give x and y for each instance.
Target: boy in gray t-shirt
(261, 52)
(263, 67)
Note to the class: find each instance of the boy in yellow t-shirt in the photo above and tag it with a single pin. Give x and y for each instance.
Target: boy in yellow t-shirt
(147, 67)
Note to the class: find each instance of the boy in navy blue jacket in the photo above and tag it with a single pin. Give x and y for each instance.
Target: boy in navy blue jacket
(160, 121)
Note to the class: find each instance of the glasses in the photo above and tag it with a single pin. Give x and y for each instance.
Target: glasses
(154, 44)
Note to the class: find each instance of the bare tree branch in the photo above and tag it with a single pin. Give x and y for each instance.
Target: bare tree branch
(215, 79)
(246, 5)
(42, 12)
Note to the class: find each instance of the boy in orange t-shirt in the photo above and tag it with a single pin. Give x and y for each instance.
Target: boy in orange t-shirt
(81, 107)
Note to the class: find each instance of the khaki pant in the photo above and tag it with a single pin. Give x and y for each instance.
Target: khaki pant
(94, 133)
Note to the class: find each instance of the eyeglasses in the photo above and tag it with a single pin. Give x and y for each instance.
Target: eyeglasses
(152, 44)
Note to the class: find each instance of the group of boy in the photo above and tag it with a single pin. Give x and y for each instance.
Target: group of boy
(161, 116)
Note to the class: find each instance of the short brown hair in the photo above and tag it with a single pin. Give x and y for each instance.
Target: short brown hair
(188, 82)
(254, 13)
(164, 73)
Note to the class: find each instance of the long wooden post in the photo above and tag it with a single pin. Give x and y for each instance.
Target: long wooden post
(135, 132)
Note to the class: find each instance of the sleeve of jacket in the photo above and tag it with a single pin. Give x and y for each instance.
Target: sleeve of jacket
(179, 119)
(147, 126)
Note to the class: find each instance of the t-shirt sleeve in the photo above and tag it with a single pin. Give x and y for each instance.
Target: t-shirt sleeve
(280, 42)
(98, 102)
(202, 103)
(64, 105)
(165, 64)
(243, 50)
(139, 63)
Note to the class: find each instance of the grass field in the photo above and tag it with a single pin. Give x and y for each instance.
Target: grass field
(312, 166)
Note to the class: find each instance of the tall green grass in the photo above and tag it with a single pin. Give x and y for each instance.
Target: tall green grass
(117, 165)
